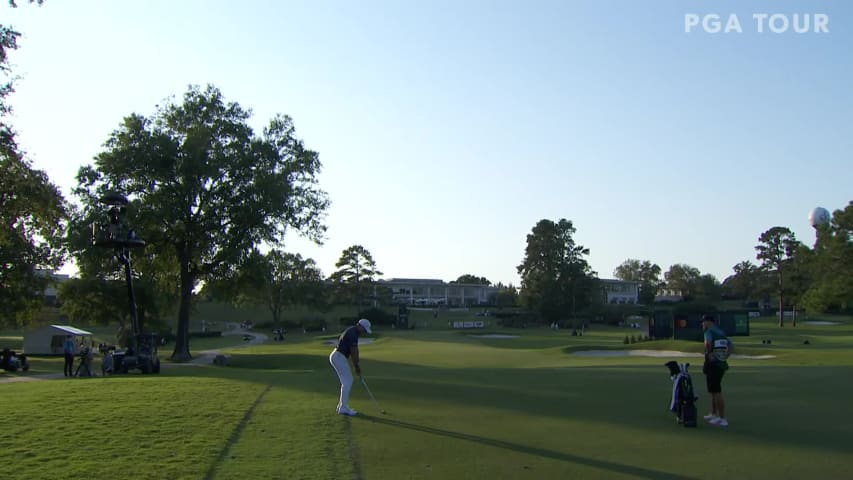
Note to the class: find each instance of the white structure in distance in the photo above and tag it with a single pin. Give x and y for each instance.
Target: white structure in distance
(819, 216)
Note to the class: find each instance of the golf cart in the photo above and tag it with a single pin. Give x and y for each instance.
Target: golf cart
(12, 362)
(143, 356)
(141, 351)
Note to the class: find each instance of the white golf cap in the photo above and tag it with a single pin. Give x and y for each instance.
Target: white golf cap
(365, 324)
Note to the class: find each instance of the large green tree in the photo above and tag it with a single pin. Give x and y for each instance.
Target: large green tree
(775, 251)
(207, 189)
(101, 301)
(708, 288)
(556, 279)
(506, 297)
(745, 282)
(32, 212)
(280, 279)
(683, 278)
(356, 273)
(831, 268)
(644, 272)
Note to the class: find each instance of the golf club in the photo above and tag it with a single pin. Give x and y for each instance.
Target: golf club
(371, 395)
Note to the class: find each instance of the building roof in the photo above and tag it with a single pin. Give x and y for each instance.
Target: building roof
(616, 280)
(414, 280)
(71, 330)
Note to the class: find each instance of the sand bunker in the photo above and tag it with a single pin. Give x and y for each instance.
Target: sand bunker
(493, 335)
(658, 354)
(821, 322)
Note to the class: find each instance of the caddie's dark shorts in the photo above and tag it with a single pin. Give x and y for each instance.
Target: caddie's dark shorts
(714, 378)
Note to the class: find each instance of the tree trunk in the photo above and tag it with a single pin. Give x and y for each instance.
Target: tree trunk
(276, 315)
(781, 302)
(182, 342)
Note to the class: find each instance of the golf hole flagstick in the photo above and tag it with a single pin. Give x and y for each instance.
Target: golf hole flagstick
(369, 393)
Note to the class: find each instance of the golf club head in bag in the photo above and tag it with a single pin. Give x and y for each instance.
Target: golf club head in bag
(683, 402)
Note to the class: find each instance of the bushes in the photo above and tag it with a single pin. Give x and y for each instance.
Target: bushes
(313, 323)
(377, 316)
(694, 307)
(516, 320)
(614, 314)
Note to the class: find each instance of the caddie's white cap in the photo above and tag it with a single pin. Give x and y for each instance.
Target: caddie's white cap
(365, 323)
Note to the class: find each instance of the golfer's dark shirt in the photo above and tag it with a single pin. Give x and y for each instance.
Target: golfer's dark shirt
(347, 340)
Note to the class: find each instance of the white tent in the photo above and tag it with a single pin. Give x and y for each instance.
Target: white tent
(49, 340)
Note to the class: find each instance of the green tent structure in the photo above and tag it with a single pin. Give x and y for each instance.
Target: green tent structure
(688, 326)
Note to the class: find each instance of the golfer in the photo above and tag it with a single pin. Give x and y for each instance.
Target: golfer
(348, 349)
(717, 349)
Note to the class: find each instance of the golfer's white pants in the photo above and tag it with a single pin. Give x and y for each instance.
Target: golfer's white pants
(341, 365)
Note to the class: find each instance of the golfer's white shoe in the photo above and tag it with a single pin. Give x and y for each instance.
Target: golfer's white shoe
(710, 417)
(347, 411)
(720, 422)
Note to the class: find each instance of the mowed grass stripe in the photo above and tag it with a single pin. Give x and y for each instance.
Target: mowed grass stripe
(149, 427)
(235, 435)
(600, 423)
(293, 434)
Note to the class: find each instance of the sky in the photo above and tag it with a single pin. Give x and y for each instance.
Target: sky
(448, 129)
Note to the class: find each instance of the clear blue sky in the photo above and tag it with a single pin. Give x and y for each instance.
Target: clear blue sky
(447, 129)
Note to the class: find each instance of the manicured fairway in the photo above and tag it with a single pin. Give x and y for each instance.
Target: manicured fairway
(457, 407)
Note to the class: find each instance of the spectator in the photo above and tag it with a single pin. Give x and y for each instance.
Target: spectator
(69, 350)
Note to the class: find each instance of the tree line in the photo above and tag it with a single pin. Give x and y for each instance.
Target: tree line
(557, 282)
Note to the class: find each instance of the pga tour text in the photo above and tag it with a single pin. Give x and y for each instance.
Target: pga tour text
(758, 22)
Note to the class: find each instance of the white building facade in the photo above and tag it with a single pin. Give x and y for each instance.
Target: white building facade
(621, 291)
(433, 292)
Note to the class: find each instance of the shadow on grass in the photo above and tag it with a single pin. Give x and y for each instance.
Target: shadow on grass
(758, 396)
(539, 452)
(235, 435)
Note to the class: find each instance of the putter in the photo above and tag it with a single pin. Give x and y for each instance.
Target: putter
(369, 393)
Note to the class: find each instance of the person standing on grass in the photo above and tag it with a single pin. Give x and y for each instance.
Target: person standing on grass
(347, 348)
(717, 349)
(69, 349)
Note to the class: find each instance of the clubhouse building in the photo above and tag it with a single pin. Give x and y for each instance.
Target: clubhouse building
(621, 291)
(433, 292)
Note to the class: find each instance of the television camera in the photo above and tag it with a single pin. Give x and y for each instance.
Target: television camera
(141, 352)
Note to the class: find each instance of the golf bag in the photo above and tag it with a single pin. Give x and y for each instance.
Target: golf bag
(683, 402)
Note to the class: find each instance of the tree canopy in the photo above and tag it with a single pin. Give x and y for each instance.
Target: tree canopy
(280, 279)
(32, 212)
(556, 279)
(206, 189)
(745, 283)
(775, 251)
(356, 271)
(472, 279)
(643, 271)
(830, 266)
(683, 278)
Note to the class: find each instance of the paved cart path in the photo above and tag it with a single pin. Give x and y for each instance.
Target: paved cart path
(204, 357)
